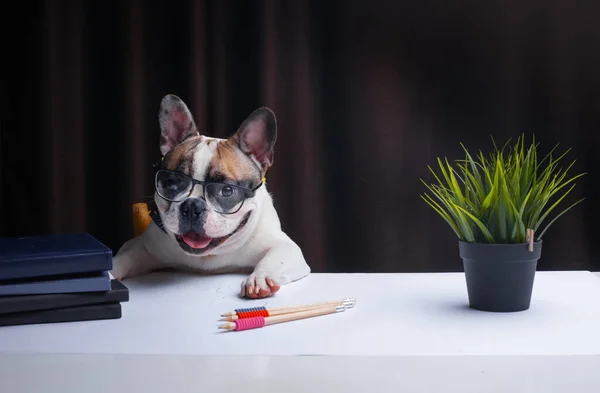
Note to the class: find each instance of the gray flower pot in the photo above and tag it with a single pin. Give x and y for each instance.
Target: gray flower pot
(499, 277)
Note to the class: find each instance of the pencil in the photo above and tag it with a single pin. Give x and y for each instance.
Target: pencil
(258, 322)
(232, 316)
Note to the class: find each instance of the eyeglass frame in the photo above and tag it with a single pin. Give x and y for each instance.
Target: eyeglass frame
(248, 192)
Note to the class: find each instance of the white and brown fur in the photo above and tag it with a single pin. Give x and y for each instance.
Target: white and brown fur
(253, 236)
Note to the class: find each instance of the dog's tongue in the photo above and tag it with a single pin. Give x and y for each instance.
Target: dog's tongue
(195, 240)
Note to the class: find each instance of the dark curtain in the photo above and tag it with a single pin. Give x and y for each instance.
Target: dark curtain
(367, 94)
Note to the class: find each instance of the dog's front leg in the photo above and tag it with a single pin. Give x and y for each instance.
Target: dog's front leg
(282, 264)
(134, 259)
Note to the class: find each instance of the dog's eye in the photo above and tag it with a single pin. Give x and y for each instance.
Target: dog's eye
(170, 184)
(226, 191)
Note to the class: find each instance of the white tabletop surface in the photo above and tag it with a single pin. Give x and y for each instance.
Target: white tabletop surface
(395, 315)
(408, 325)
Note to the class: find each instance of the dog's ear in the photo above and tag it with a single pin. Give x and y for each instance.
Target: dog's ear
(257, 135)
(176, 122)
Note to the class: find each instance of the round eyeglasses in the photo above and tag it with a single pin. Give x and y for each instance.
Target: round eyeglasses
(224, 198)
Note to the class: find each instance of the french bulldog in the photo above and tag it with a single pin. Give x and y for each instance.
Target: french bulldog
(215, 214)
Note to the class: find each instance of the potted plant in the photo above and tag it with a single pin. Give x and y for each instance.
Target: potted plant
(496, 206)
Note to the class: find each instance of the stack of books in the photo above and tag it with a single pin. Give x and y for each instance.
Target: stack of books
(57, 278)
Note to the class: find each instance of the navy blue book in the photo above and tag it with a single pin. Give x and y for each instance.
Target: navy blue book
(52, 255)
(73, 283)
(118, 293)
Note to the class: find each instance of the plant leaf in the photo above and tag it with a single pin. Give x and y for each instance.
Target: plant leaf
(556, 218)
(481, 226)
(442, 213)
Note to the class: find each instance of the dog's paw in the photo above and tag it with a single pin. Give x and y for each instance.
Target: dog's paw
(120, 268)
(257, 286)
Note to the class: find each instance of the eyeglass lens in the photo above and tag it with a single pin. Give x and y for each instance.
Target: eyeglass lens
(176, 187)
(173, 186)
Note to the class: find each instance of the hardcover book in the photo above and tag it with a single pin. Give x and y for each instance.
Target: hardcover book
(70, 314)
(90, 282)
(48, 255)
(118, 293)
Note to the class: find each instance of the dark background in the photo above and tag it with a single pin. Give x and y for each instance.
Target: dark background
(367, 94)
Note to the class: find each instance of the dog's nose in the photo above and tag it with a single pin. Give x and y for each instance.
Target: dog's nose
(192, 207)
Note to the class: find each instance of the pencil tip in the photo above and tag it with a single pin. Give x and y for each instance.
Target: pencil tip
(349, 302)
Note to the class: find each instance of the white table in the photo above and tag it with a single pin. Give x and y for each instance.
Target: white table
(408, 332)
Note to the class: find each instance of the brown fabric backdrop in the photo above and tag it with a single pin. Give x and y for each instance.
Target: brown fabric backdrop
(367, 94)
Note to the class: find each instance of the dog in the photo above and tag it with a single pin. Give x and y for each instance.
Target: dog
(215, 214)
